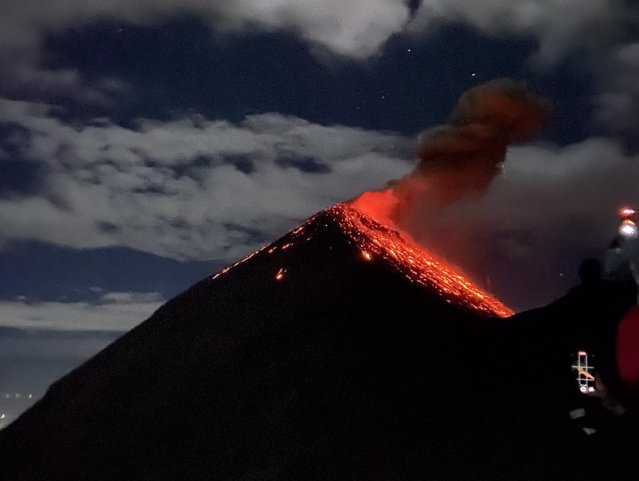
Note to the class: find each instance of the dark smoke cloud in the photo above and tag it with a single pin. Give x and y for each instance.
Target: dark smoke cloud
(457, 162)
(464, 156)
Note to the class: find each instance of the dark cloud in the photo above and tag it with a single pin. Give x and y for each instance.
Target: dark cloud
(107, 227)
(304, 164)
(243, 163)
(465, 155)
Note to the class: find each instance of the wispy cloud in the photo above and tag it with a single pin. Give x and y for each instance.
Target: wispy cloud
(189, 188)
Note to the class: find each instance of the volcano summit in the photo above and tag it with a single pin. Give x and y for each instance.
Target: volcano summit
(340, 352)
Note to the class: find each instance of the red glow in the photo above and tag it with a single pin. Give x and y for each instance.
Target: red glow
(377, 241)
(627, 212)
(627, 352)
(416, 264)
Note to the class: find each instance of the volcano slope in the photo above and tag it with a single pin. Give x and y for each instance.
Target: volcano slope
(334, 353)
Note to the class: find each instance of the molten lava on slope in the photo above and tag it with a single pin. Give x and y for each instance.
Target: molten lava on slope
(418, 266)
(376, 241)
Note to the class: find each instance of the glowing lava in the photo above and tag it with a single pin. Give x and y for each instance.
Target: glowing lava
(280, 274)
(376, 243)
(416, 264)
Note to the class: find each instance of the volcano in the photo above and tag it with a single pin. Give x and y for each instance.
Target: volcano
(340, 351)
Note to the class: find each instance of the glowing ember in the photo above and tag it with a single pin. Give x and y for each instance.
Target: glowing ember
(367, 255)
(280, 274)
(241, 261)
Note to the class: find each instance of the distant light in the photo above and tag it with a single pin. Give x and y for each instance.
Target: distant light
(473, 74)
(628, 229)
(626, 212)
(2, 416)
(367, 256)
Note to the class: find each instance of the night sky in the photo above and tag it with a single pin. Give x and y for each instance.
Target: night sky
(144, 145)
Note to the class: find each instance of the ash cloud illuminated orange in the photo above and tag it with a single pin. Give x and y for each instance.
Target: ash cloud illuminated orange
(457, 161)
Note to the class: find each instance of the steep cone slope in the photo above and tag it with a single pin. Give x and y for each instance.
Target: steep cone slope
(323, 356)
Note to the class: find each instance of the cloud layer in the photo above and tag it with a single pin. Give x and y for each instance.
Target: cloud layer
(190, 188)
(116, 311)
(357, 29)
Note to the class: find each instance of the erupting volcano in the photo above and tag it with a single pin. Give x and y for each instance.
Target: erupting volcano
(377, 241)
(340, 351)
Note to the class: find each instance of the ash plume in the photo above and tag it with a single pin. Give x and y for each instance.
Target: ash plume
(458, 161)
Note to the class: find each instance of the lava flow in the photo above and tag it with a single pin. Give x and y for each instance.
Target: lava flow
(378, 242)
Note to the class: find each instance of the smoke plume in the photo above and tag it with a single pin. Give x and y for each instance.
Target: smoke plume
(457, 162)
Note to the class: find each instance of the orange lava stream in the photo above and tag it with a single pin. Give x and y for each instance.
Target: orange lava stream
(375, 239)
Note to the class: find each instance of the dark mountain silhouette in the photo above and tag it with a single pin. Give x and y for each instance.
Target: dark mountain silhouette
(336, 353)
